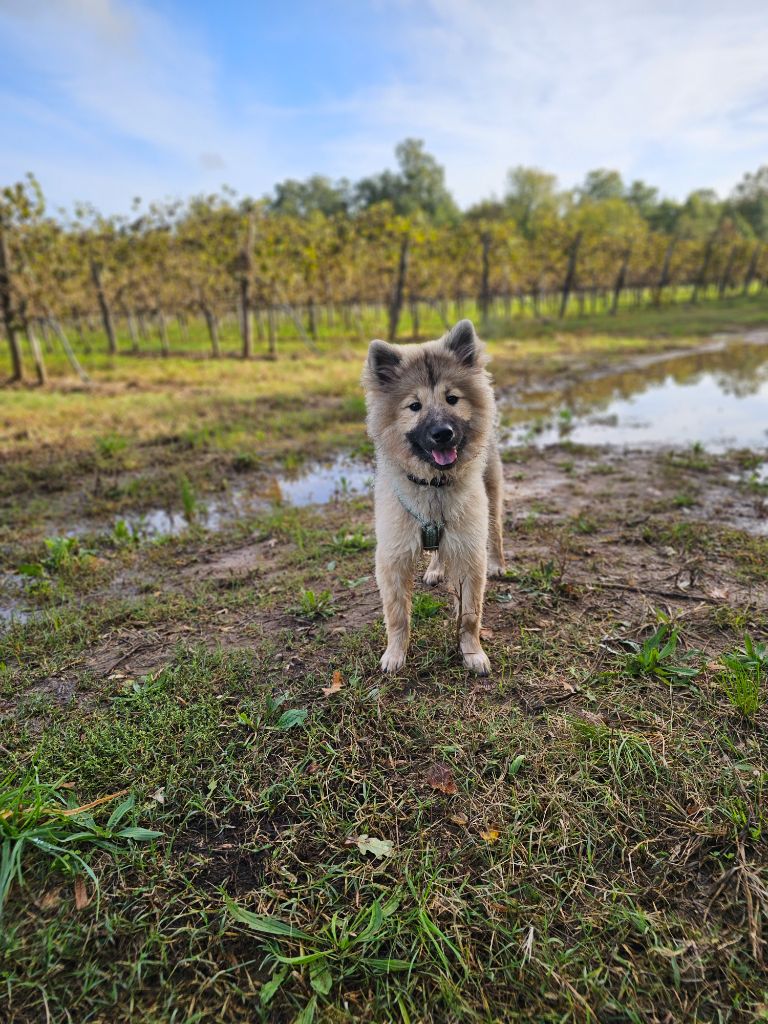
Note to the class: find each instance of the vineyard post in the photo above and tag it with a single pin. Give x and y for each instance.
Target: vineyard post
(752, 268)
(17, 369)
(37, 353)
(621, 279)
(398, 292)
(106, 312)
(701, 278)
(664, 276)
(485, 290)
(570, 274)
(246, 267)
(725, 278)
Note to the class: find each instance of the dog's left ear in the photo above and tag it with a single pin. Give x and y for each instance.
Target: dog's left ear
(462, 341)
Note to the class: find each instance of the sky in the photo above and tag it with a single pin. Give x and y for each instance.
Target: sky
(105, 100)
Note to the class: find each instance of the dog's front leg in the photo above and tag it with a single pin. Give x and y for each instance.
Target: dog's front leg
(395, 580)
(470, 592)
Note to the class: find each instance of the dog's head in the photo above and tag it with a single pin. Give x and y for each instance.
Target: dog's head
(430, 404)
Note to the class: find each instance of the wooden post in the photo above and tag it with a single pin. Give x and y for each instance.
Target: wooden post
(17, 368)
(664, 276)
(246, 268)
(398, 292)
(484, 299)
(165, 348)
(37, 353)
(570, 274)
(106, 312)
(621, 279)
(752, 268)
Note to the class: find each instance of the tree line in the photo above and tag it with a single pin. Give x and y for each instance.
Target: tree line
(318, 249)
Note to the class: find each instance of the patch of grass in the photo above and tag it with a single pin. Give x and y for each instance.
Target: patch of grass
(44, 819)
(658, 656)
(426, 606)
(312, 605)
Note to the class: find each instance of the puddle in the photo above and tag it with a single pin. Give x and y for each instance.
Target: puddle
(317, 484)
(715, 396)
(325, 481)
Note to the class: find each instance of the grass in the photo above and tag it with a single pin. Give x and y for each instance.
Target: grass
(595, 848)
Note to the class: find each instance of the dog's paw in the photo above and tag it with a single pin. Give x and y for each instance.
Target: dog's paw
(478, 663)
(393, 659)
(432, 577)
(496, 570)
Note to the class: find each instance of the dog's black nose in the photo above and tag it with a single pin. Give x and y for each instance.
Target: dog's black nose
(442, 435)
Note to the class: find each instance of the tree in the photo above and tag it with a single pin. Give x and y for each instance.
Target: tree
(750, 201)
(315, 195)
(418, 187)
(601, 184)
(532, 196)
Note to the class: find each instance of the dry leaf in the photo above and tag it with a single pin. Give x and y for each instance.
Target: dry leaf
(159, 795)
(82, 899)
(336, 684)
(440, 777)
(490, 835)
(367, 844)
(459, 819)
(50, 899)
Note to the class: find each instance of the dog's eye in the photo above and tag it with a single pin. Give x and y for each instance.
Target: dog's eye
(415, 406)
(451, 399)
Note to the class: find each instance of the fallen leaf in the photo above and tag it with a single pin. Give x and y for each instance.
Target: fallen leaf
(336, 684)
(459, 819)
(378, 847)
(82, 899)
(490, 835)
(50, 899)
(440, 777)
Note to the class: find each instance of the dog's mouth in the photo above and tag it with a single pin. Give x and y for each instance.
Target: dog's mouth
(444, 457)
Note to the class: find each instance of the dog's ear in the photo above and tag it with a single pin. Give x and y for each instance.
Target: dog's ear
(384, 361)
(463, 343)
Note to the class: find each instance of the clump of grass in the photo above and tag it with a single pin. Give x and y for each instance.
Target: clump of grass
(356, 540)
(125, 535)
(583, 524)
(658, 656)
(628, 756)
(189, 501)
(315, 605)
(64, 555)
(742, 676)
(426, 606)
(45, 818)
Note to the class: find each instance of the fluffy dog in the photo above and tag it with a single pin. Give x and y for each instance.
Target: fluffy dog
(439, 483)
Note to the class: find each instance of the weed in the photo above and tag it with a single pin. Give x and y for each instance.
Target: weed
(45, 817)
(628, 756)
(315, 606)
(426, 606)
(742, 676)
(356, 540)
(583, 524)
(683, 501)
(658, 656)
(125, 534)
(189, 502)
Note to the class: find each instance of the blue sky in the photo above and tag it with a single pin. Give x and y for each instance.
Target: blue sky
(109, 99)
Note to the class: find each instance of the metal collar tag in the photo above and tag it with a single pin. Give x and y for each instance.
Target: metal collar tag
(431, 534)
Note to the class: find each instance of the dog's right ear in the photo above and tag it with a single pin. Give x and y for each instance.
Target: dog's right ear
(384, 362)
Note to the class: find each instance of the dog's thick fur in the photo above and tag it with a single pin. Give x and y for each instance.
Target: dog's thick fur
(429, 404)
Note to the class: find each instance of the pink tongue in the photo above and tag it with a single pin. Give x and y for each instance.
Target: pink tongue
(445, 458)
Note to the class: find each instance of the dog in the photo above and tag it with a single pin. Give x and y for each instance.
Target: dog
(431, 414)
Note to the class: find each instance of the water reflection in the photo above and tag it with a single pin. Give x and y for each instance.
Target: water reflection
(716, 396)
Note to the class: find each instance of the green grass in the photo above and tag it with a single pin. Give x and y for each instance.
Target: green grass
(600, 854)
